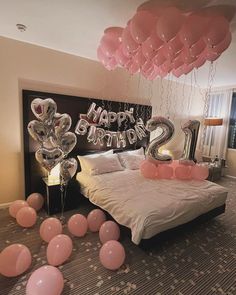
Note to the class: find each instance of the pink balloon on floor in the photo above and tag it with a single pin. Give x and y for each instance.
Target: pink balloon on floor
(16, 206)
(165, 171)
(26, 217)
(112, 255)
(50, 228)
(148, 169)
(200, 172)
(46, 280)
(59, 250)
(109, 231)
(183, 172)
(14, 260)
(78, 225)
(95, 219)
(35, 200)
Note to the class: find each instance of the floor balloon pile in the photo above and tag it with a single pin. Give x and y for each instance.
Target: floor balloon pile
(16, 259)
(161, 40)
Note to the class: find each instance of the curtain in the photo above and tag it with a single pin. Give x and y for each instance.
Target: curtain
(216, 138)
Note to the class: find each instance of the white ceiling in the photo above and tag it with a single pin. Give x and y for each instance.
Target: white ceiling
(76, 26)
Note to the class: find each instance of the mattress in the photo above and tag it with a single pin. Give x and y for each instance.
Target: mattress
(147, 206)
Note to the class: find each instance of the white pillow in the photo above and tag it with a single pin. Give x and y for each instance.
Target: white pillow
(131, 162)
(102, 164)
(133, 152)
(83, 158)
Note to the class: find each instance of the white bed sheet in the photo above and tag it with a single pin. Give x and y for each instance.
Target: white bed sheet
(149, 207)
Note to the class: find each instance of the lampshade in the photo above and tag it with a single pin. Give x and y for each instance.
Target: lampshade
(213, 121)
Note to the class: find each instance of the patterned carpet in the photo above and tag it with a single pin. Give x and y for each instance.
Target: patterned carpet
(200, 261)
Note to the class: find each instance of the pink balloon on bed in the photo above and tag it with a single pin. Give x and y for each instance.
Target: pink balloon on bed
(109, 231)
(165, 171)
(148, 169)
(183, 172)
(95, 219)
(200, 172)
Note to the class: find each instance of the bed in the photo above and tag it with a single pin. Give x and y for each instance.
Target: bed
(149, 207)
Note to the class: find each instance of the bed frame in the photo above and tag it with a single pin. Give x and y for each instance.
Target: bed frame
(74, 106)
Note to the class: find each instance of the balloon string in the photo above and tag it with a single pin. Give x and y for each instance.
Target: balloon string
(63, 197)
(48, 199)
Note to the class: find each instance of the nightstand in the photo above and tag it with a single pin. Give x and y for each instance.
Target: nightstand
(52, 204)
(215, 171)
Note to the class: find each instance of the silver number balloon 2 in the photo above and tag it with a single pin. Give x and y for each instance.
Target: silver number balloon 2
(191, 130)
(167, 128)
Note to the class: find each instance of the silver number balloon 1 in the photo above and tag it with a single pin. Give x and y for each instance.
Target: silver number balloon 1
(167, 127)
(191, 130)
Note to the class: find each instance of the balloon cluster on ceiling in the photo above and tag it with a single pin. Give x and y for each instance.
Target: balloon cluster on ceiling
(166, 40)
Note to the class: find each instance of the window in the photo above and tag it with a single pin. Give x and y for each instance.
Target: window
(232, 124)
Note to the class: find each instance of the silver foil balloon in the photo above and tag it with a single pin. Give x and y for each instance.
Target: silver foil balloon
(67, 142)
(121, 139)
(109, 137)
(100, 134)
(49, 158)
(131, 135)
(112, 117)
(92, 133)
(82, 127)
(152, 150)
(44, 109)
(121, 116)
(130, 115)
(68, 168)
(62, 123)
(191, 130)
(93, 113)
(140, 129)
(103, 119)
(38, 131)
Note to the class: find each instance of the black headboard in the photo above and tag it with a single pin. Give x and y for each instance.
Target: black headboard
(74, 106)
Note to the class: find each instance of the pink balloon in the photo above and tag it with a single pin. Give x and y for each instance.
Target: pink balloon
(153, 74)
(133, 68)
(147, 67)
(148, 169)
(193, 29)
(59, 250)
(121, 58)
(26, 217)
(112, 255)
(166, 67)
(14, 260)
(110, 42)
(111, 64)
(186, 57)
(139, 58)
(165, 171)
(177, 62)
(78, 225)
(187, 68)
(183, 172)
(35, 200)
(101, 56)
(177, 72)
(109, 231)
(142, 25)
(95, 219)
(211, 56)
(222, 46)
(200, 61)
(114, 31)
(50, 228)
(200, 172)
(154, 41)
(159, 58)
(128, 43)
(148, 51)
(197, 48)
(218, 28)
(175, 45)
(174, 164)
(16, 206)
(168, 52)
(169, 24)
(46, 280)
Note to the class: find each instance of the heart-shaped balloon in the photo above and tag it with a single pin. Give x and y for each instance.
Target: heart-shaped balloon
(44, 109)
(62, 123)
(68, 169)
(38, 131)
(49, 158)
(66, 142)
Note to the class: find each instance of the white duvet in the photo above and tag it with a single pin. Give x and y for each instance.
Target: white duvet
(149, 207)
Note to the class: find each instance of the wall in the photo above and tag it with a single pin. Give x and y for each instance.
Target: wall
(25, 66)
